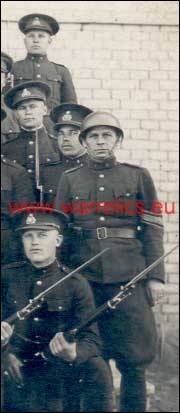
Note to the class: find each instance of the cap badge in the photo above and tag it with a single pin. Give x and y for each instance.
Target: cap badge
(30, 219)
(67, 116)
(25, 93)
(36, 21)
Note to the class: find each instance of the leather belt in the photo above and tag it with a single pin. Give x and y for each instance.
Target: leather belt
(105, 232)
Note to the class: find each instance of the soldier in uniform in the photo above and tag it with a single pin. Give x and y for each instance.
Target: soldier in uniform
(10, 124)
(15, 187)
(67, 118)
(33, 147)
(39, 358)
(38, 30)
(111, 204)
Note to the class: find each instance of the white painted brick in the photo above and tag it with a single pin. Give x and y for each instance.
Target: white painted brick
(88, 83)
(150, 124)
(139, 74)
(150, 85)
(158, 114)
(161, 156)
(169, 125)
(139, 114)
(173, 115)
(159, 75)
(169, 105)
(168, 85)
(121, 84)
(101, 94)
(120, 74)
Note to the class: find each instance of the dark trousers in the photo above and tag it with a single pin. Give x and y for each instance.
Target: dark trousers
(65, 389)
(129, 337)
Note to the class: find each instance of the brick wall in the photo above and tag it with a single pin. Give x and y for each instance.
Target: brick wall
(124, 58)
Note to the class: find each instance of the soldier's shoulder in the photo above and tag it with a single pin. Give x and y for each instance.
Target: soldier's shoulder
(13, 265)
(9, 137)
(13, 164)
(129, 165)
(76, 169)
(61, 69)
(18, 63)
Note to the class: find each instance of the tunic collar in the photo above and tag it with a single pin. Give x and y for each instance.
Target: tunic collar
(37, 58)
(106, 164)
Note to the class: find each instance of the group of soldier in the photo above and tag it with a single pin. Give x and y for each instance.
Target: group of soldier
(64, 198)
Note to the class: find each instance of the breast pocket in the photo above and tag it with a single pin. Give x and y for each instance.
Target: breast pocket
(126, 202)
(60, 306)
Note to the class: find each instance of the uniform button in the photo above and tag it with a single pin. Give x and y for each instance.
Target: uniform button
(50, 190)
(64, 268)
(31, 156)
(39, 282)
(128, 194)
(48, 159)
(139, 228)
(106, 164)
(38, 76)
(15, 302)
(29, 171)
(67, 160)
(101, 176)
(41, 58)
(31, 142)
(14, 161)
(76, 197)
(101, 188)
(38, 65)
(78, 161)
(60, 307)
(32, 57)
(10, 131)
(101, 204)
(70, 364)
(36, 319)
(102, 219)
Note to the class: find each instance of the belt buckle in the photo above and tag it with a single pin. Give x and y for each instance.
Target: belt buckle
(101, 233)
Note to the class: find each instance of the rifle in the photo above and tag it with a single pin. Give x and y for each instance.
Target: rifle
(36, 302)
(37, 167)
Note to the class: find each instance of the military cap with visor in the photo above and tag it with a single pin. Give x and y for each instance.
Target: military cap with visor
(6, 63)
(100, 119)
(69, 114)
(25, 91)
(39, 218)
(37, 21)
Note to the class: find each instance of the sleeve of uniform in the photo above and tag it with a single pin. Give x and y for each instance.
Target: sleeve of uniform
(62, 201)
(68, 89)
(89, 343)
(23, 192)
(151, 221)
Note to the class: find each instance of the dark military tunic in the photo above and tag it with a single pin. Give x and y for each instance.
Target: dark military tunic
(132, 232)
(117, 188)
(21, 148)
(64, 308)
(15, 188)
(53, 172)
(56, 76)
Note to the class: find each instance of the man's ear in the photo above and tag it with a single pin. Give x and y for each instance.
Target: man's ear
(50, 40)
(45, 109)
(59, 240)
(83, 143)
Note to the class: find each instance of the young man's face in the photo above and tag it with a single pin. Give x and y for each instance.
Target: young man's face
(30, 113)
(37, 42)
(100, 142)
(40, 246)
(68, 140)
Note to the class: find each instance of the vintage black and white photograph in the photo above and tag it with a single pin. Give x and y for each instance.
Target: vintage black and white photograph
(89, 206)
